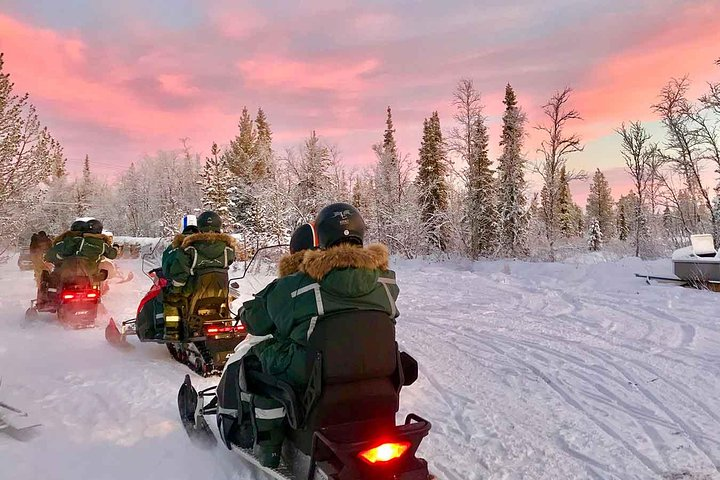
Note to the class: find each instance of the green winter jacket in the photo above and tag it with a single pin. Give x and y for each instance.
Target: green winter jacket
(90, 247)
(170, 254)
(199, 251)
(341, 278)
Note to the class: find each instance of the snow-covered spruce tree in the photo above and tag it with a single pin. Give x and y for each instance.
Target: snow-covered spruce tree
(432, 182)
(623, 226)
(512, 202)
(262, 158)
(567, 223)
(216, 184)
(84, 190)
(595, 235)
(470, 140)
(313, 178)
(387, 183)
(555, 150)
(253, 195)
(600, 203)
(240, 153)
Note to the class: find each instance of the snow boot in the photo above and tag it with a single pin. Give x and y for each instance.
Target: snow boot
(269, 416)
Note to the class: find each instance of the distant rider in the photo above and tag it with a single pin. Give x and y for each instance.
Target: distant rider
(169, 256)
(208, 249)
(84, 241)
(40, 243)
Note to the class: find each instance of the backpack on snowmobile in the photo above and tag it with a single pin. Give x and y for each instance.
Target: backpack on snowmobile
(346, 413)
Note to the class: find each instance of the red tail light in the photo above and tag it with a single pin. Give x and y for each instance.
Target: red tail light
(78, 294)
(385, 452)
(212, 330)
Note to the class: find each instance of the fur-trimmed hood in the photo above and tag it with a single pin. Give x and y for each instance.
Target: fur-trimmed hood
(209, 237)
(70, 234)
(290, 263)
(177, 240)
(65, 235)
(318, 263)
(101, 236)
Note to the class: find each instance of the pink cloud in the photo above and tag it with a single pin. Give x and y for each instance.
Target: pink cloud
(625, 85)
(294, 76)
(177, 84)
(234, 23)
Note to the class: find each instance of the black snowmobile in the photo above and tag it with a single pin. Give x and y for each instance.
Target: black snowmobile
(207, 332)
(342, 425)
(70, 292)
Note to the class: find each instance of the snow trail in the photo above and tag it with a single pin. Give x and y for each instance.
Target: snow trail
(528, 371)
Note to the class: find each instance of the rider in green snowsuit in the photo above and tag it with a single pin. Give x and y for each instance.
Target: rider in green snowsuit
(84, 241)
(170, 254)
(197, 252)
(341, 276)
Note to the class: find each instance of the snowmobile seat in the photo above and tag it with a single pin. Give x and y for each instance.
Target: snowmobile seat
(355, 376)
(353, 361)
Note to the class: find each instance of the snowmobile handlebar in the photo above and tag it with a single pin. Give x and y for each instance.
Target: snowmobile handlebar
(252, 259)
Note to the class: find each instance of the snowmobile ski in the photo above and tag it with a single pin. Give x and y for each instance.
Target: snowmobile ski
(115, 337)
(192, 408)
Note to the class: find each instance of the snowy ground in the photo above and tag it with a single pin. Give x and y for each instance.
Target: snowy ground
(528, 371)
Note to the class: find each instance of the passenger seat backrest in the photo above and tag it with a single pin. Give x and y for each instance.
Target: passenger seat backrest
(355, 346)
(211, 288)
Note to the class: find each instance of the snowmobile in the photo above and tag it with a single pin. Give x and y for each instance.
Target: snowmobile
(25, 262)
(208, 333)
(70, 293)
(342, 425)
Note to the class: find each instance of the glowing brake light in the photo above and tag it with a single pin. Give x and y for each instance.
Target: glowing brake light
(217, 330)
(385, 452)
(70, 295)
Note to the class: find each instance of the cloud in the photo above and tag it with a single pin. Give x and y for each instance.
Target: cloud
(272, 72)
(117, 84)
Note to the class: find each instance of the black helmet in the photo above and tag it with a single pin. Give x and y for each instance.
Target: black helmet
(209, 222)
(94, 226)
(303, 238)
(79, 226)
(339, 223)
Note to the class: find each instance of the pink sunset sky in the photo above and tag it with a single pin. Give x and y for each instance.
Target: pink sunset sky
(118, 80)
